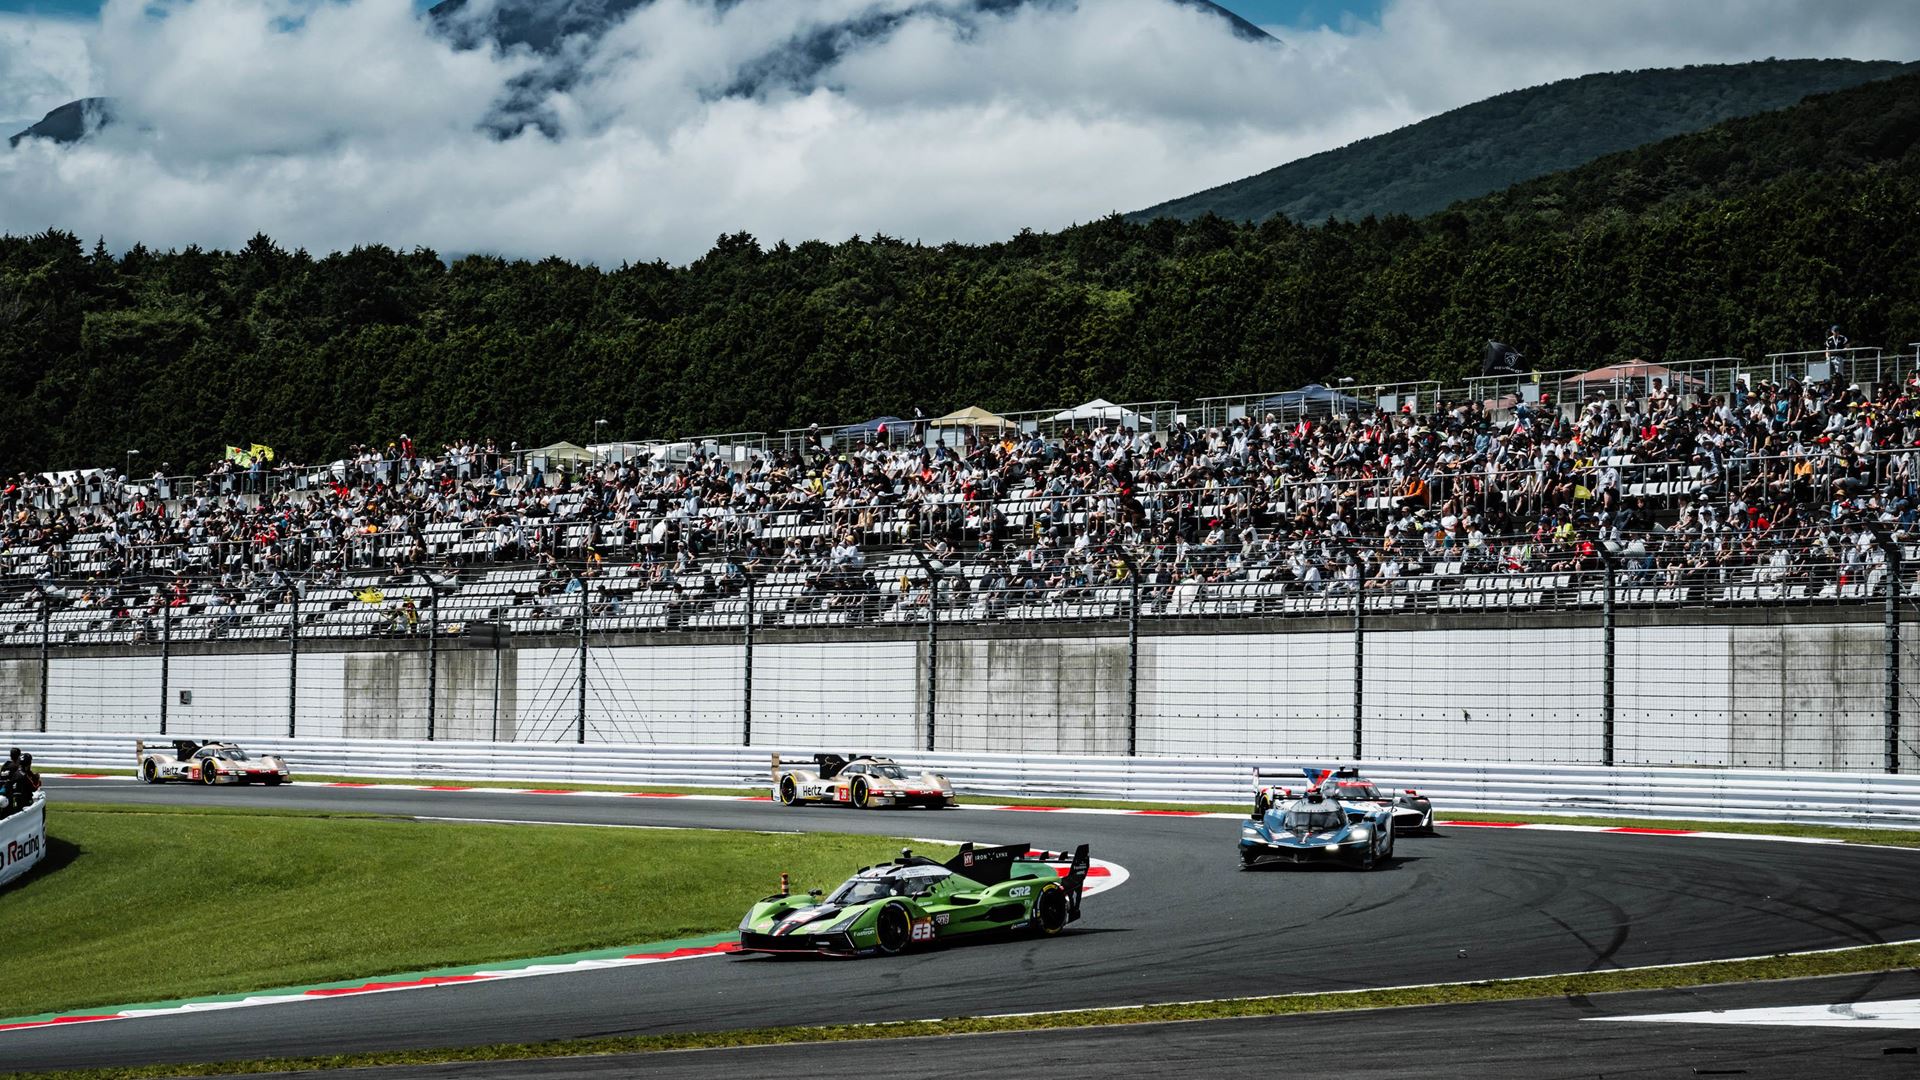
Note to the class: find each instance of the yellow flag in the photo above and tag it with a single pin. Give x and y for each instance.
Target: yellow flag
(370, 596)
(261, 451)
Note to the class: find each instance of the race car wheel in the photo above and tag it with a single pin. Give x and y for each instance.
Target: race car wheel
(860, 792)
(273, 781)
(789, 791)
(1050, 910)
(895, 928)
(209, 775)
(1259, 806)
(1386, 851)
(1370, 857)
(149, 772)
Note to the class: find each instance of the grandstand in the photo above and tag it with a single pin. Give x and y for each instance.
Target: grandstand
(1406, 498)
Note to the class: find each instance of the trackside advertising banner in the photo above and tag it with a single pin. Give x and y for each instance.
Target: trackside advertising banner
(23, 840)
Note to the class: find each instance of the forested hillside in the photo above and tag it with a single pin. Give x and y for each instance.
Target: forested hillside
(1517, 136)
(1744, 240)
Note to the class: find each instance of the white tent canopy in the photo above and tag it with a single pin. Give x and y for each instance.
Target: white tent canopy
(1100, 409)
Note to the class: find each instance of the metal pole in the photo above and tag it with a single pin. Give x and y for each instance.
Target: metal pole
(1133, 660)
(46, 630)
(1359, 664)
(746, 689)
(496, 680)
(933, 650)
(580, 714)
(1892, 680)
(293, 669)
(1607, 666)
(166, 660)
(433, 660)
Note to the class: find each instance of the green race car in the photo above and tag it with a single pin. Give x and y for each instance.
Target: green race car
(914, 900)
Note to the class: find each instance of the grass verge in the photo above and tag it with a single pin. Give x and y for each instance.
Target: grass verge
(241, 900)
(1787, 966)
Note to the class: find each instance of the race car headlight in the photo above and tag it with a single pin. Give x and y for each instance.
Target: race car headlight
(1333, 847)
(843, 924)
(1360, 833)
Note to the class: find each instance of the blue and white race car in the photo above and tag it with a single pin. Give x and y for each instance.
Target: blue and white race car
(1317, 828)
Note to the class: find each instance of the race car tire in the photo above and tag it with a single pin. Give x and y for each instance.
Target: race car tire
(209, 775)
(274, 781)
(1370, 858)
(860, 792)
(1386, 852)
(893, 929)
(789, 791)
(1247, 859)
(1050, 910)
(1259, 806)
(149, 772)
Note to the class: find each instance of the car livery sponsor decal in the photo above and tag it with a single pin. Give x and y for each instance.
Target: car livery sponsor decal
(1020, 890)
(923, 929)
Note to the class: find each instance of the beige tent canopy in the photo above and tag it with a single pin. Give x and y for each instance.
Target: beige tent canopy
(973, 416)
(1634, 369)
(561, 451)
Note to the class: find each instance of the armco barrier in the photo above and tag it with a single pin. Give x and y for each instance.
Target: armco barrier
(23, 840)
(1456, 788)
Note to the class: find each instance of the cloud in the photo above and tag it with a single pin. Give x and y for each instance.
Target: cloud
(44, 63)
(327, 123)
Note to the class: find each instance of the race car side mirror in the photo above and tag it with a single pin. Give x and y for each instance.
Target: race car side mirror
(813, 892)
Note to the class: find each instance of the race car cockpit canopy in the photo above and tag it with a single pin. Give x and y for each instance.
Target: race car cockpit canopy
(832, 765)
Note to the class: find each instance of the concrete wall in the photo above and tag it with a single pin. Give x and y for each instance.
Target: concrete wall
(1794, 689)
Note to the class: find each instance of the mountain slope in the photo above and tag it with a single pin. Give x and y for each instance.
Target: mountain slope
(70, 122)
(1516, 136)
(1875, 126)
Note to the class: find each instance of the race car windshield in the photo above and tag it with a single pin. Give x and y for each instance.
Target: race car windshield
(1358, 791)
(864, 890)
(1313, 820)
(887, 772)
(232, 755)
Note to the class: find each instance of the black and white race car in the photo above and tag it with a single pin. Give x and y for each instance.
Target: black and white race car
(207, 763)
(1412, 811)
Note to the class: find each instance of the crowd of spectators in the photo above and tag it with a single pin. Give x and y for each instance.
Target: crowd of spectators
(1797, 481)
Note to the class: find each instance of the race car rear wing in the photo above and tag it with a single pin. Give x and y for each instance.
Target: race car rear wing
(993, 865)
(828, 765)
(182, 749)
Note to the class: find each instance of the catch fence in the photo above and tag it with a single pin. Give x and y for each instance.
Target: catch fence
(1580, 656)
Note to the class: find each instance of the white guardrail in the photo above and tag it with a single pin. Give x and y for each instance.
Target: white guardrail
(1456, 788)
(23, 839)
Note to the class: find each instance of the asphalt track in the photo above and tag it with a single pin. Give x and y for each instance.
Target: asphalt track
(1519, 1040)
(1187, 925)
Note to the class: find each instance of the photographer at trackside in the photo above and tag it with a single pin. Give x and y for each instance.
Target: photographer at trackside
(7, 770)
(19, 781)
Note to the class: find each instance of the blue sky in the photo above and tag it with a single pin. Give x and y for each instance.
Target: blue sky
(1265, 12)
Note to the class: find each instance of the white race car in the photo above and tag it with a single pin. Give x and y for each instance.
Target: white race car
(208, 763)
(1412, 811)
(858, 780)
